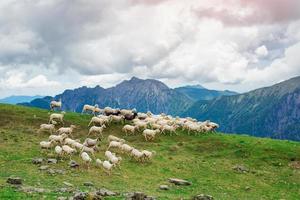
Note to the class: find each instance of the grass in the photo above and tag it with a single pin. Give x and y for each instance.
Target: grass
(205, 160)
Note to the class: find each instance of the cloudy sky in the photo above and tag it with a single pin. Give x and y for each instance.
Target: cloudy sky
(47, 46)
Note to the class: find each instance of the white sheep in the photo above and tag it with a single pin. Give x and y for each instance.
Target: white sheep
(58, 138)
(68, 150)
(140, 125)
(99, 121)
(128, 129)
(148, 155)
(86, 158)
(170, 129)
(57, 116)
(150, 134)
(66, 130)
(88, 150)
(97, 129)
(117, 119)
(46, 144)
(88, 142)
(107, 166)
(58, 150)
(47, 128)
(137, 155)
(55, 104)
(114, 144)
(87, 107)
(125, 148)
(114, 138)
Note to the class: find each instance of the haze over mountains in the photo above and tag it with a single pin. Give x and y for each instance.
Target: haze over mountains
(267, 112)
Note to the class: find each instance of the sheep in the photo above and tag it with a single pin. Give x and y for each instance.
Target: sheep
(140, 125)
(130, 117)
(125, 148)
(46, 144)
(68, 150)
(66, 130)
(98, 162)
(114, 138)
(47, 127)
(57, 138)
(58, 150)
(69, 141)
(87, 107)
(114, 144)
(148, 155)
(90, 142)
(97, 129)
(86, 158)
(99, 121)
(116, 161)
(55, 104)
(142, 116)
(137, 155)
(57, 116)
(126, 112)
(170, 129)
(109, 111)
(88, 150)
(107, 166)
(150, 134)
(128, 129)
(115, 118)
(77, 145)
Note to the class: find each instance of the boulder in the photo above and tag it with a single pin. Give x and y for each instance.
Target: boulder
(14, 180)
(52, 161)
(37, 161)
(164, 187)
(43, 167)
(178, 181)
(203, 197)
(80, 196)
(73, 164)
(105, 192)
(88, 184)
(240, 169)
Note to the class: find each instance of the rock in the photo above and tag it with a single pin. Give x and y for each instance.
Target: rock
(177, 181)
(14, 180)
(52, 161)
(240, 169)
(60, 171)
(94, 196)
(164, 187)
(80, 196)
(51, 171)
(247, 188)
(105, 192)
(64, 190)
(37, 161)
(68, 184)
(137, 196)
(43, 167)
(150, 198)
(61, 198)
(88, 184)
(203, 197)
(73, 164)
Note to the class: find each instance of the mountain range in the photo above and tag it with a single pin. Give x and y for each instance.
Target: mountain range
(18, 99)
(266, 112)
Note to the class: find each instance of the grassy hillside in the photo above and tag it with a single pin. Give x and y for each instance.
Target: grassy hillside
(206, 160)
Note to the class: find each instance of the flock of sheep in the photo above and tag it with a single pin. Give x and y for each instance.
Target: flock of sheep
(147, 124)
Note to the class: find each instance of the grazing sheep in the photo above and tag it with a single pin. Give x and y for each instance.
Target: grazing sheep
(99, 121)
(66, 130)
(98, 162)
(114, 144)
(150, 134)
(125, 148)
(58, 138)
(107, 166)
(117, 119)
(77, 145)
(109, 111)
(46, 144)
(137, 155)
(57, 116)
(97, 129)
(68, 150)
(90, 142)
(141, 125)
(126, 112)
(130, 117)
(88, 150)
(142, 116)
(69, 141)
(170, 129)
(114, 138)
(86, 158)
(47, 128)
(128, 129)
(55, 104)
(58, 150)
(148, 155)
(87, 107)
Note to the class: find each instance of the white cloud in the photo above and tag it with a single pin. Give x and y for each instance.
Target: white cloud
(227, 44)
